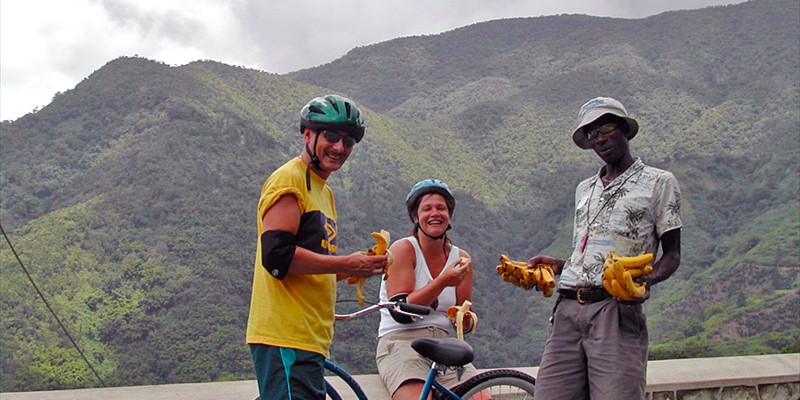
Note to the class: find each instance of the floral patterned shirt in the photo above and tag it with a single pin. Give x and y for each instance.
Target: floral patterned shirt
(628, 216)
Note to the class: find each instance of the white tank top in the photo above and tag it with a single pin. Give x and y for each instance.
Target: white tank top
(422, 276)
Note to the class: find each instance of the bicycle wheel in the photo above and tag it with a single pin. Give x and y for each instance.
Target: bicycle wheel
(497, 384)
(347, 378)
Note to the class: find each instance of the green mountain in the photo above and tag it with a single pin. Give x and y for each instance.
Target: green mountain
(131, 198)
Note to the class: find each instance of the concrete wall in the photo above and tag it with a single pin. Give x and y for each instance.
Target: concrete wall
(769, 377)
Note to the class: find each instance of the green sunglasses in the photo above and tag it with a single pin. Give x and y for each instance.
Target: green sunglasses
(602, 129)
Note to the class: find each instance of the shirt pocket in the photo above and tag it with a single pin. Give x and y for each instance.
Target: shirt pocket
(631, 220)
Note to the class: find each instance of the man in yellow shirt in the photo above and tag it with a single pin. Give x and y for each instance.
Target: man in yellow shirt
(290, 327)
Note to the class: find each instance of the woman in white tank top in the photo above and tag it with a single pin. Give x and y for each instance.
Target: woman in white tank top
(427, 270)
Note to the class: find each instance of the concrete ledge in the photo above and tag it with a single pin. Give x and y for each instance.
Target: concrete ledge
(753, 377)
(702, 373)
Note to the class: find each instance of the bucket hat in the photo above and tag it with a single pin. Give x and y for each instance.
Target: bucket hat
(596, 108)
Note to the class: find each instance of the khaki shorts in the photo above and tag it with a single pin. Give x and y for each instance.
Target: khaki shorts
(398, 362)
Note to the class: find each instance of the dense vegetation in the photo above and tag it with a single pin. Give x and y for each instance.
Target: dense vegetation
(131, 198)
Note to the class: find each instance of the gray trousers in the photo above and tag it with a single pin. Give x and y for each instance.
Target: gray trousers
(595, 351)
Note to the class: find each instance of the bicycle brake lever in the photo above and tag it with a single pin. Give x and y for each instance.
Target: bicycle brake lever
(415, 317)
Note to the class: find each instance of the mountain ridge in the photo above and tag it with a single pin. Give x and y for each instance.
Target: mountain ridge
(132, 197)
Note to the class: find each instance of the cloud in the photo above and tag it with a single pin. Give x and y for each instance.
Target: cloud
(50, 46)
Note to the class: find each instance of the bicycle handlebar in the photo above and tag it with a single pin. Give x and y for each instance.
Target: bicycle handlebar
(414, 311)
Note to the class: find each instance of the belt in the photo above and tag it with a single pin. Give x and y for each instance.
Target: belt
(584, 295)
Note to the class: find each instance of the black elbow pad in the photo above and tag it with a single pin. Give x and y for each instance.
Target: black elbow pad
(277, 251)
(400, 318)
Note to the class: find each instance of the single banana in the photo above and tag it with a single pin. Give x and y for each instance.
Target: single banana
(619, 270)
(609, 263)
(636, 261)
(525, 281)
(636, 272)
(619, 291)
(537, 275)
(457, 313)
(382, 240)
(607, 285)
(635, 289)
(547, 275)
(608, 273)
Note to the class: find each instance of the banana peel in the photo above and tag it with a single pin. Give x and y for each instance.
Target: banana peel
(541, 276)
(380, 248)
(619, 271)
(456, 315)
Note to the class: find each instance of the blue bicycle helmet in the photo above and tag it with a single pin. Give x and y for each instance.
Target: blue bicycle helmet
(427, 186)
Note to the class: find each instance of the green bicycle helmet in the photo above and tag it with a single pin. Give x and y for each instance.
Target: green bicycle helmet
(333, 112)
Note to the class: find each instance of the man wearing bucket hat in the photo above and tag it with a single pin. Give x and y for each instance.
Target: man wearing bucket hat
(597, 348)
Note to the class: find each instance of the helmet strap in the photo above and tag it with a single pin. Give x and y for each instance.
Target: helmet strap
(315, 161)
(419, 228)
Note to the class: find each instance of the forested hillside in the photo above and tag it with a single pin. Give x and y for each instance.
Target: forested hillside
(131, 198)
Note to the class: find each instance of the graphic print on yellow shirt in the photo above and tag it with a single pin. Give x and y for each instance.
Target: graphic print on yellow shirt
(297, 311)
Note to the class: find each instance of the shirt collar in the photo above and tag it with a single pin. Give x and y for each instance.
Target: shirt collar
(634, 168)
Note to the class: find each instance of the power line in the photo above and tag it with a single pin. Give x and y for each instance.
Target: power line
(41, 295)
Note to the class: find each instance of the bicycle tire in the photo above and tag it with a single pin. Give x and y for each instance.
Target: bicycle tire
(347, 378)
(500, 383)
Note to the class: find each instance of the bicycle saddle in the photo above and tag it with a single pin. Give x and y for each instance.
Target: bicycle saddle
(447, 351)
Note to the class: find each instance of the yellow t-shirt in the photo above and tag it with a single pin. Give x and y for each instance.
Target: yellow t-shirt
(298, 311)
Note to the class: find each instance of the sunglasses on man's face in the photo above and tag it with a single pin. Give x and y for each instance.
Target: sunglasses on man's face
(334, 137)
(604, 129)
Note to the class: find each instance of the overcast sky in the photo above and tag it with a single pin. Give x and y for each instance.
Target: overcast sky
(49, 46)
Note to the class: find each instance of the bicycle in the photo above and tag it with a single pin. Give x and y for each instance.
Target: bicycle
(444, 353)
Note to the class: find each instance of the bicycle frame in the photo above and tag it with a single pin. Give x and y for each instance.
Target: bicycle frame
(411, 310)
(431, 382)
(477, 384)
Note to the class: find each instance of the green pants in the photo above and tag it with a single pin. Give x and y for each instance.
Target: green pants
(288, 374)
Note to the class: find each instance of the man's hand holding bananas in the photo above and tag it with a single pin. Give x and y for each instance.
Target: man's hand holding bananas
(380, 248)
(460, 316)
(540, 277)
(619, 272)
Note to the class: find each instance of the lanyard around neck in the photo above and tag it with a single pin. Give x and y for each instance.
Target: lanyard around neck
(597, 214)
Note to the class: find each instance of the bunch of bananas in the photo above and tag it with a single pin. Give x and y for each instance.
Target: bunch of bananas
(456, 315)
(540, 277)
(618, 274)
(382, 240)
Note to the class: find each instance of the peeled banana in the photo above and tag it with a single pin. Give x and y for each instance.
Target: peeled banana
(382, 240)
(456, 315)
(541, 277)
(619, 271)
